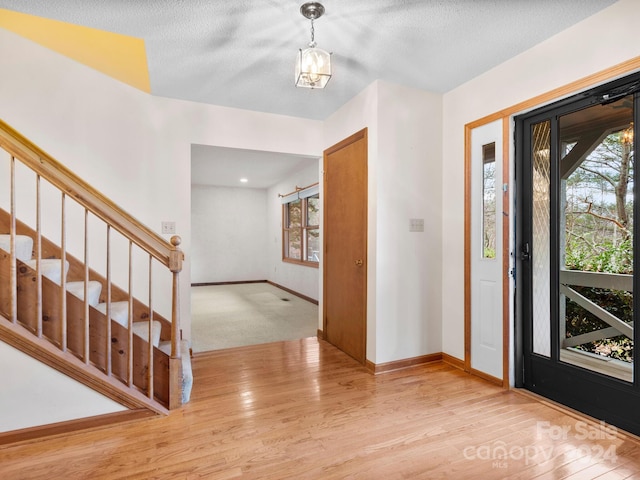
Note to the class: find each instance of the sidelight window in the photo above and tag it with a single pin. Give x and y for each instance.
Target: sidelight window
(489, 200)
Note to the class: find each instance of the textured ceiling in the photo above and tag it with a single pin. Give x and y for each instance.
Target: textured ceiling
(240, 53)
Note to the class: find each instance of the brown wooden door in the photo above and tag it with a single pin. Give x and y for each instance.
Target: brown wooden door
(345, 245)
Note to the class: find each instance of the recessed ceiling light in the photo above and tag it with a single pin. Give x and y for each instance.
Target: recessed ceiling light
(244, 180)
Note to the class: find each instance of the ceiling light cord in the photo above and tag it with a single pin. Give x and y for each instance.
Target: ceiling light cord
(312, 44)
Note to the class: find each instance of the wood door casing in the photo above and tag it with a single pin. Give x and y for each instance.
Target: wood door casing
(345, 245)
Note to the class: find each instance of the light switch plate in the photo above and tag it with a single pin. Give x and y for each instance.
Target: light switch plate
(169, 228)
(416, 224)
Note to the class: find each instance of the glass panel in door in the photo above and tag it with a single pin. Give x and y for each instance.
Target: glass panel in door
(541, 237)
(489, 200)
(596, 175)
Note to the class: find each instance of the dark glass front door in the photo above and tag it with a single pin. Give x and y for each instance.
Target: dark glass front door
(577, 254)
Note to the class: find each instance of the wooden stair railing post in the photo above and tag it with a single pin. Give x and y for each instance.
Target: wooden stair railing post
(175, 361)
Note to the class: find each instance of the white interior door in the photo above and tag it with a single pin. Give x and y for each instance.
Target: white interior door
(486, 249)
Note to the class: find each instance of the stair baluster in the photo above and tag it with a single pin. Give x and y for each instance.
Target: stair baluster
(38, 252)
(107, 351)
(150, 328)
(63, 277)
(13, 269)
(85, 334)
(130, 316)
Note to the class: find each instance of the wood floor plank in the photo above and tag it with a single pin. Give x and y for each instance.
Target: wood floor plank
(305, 410)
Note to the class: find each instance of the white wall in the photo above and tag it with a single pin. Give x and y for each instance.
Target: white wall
(34, 394)
(404, 174)
(299, 278)
(409, 264)
(228, 234)
(597, 43)
(237, 235)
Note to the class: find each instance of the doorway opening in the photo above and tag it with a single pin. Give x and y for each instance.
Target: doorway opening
(237, 238)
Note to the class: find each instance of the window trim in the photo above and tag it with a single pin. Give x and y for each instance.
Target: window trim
(302, 195)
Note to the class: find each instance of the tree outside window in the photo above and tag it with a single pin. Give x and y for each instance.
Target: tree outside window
(301, 230)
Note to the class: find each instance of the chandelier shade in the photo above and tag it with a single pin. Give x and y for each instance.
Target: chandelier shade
(313, 68)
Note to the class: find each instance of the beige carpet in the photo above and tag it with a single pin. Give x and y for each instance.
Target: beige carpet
(226, 316)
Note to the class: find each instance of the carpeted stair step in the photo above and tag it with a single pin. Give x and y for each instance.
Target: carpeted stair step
(165, 346)
(94, 289)
(187, 374)
(142, 330)
(24, 246)
(50, 268)
(120, 313)
(24, 251)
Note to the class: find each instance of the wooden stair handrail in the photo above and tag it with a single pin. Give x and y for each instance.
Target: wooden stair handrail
(66, 181)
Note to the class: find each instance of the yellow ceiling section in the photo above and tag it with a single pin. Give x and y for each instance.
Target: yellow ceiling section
(119, 56)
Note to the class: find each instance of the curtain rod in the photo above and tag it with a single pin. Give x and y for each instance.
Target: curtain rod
(298, 189)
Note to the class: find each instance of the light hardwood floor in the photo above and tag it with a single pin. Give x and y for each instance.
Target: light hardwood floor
(304, 410)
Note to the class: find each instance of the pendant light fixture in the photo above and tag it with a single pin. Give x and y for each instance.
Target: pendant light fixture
(313, 65)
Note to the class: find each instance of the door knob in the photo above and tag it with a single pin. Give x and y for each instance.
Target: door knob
(358, 263)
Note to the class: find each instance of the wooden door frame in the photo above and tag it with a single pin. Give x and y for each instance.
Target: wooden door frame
(506, 115)
(506, 225)
(359, 135)
(468, 129)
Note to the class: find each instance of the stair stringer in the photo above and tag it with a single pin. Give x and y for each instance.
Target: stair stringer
(51, 329)
(67, 363)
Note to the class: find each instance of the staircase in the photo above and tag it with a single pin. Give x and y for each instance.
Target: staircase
(57, 309)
